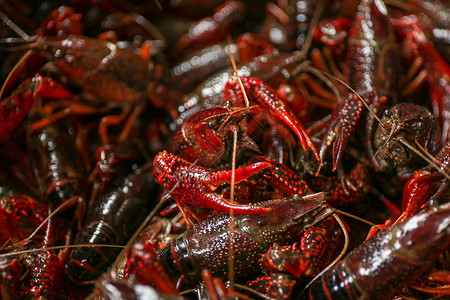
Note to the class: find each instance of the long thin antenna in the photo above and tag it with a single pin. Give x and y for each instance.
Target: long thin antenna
(233, 169)
(139, 230)
(248, 289)
(20, 252)
(64, 205)
(354, 217)
(437, 162)
(8, 22)
(233, 62)
(231, 228)
(319, 74)
(391, 134)
(336, 260)
(230, 113)
(423, 157)
(312, 26)
(360, 98)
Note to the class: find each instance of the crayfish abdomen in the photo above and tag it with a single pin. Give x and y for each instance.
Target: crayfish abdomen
(113, 219)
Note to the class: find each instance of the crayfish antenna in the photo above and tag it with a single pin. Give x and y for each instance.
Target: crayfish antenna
(8, 22)
(20, 252)
(70, 202)
(233, 62)
(437, 164)
(336, 260)
(425, 157)
(354, 217)
(357, 95)
(158, 4)
(314, 21)
(233, 171)
(231, 228)
(255, 292)
(147, 221)
(15, 44)
(325, 80)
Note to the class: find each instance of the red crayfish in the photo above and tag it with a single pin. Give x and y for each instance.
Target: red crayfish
(101, 127)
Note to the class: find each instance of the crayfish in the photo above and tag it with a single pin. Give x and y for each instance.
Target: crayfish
(171, 149)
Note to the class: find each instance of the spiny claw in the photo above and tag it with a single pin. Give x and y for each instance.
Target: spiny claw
(339, 145)
(258, 90)
(216, 202)
(283, 114)
(194, 185)
(281, 177)
(343, 124)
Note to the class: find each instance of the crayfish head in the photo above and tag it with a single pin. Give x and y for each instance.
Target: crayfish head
(406, 126)
(287, 219)
(208, 136)
(202, 136)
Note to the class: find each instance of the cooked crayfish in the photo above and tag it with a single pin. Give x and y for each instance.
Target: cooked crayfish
(149, 109)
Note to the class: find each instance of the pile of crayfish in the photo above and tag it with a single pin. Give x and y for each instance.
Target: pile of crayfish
(225, 149)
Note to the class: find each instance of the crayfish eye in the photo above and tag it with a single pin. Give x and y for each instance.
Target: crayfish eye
(387, 113)
(307, 219)
(420, 125)
(261, 223)
(210, 125)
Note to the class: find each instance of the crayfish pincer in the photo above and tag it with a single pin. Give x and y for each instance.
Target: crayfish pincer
(382, 265)
(206, 245)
